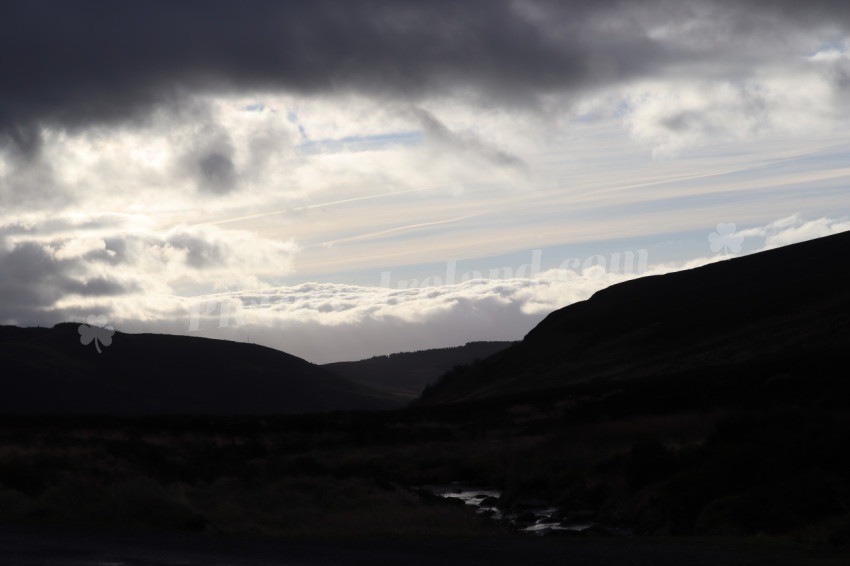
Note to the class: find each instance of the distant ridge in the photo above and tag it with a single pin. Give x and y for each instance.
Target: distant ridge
(408, 373)
(783, 312)
(49, 371)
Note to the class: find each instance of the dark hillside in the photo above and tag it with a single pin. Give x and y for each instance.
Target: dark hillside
(407, 373)
(49, 371)
(752, 312)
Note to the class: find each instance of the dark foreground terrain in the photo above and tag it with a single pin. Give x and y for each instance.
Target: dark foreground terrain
(711, 406)
(717, 470)
(86, 548)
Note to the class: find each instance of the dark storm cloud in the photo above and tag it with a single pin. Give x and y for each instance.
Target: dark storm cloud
(208, 159)
(77, 63)
(200, 253)
(217, 171)
(33, 280)
(98, 287)
(464, 142)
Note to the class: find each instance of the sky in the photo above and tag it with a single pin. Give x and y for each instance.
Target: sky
(343, 179)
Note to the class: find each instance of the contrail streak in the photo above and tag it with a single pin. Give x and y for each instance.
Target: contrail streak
(309, 206)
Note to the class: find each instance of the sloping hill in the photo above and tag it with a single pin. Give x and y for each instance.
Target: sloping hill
(408, 373)
(783, 311)
(49, 371)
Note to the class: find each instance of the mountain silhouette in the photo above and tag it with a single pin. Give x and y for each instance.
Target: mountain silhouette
(408, 373)
(49, 371)
(782, 313)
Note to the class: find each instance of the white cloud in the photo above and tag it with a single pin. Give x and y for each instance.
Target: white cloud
(326, 322)
(794, 228)
(804, 230)
(161, 280)
(802, 96)
(60, 267)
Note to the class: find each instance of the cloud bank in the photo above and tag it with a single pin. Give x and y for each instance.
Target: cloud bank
(325, 322)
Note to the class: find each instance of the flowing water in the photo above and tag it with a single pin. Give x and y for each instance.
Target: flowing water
(529, 516)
